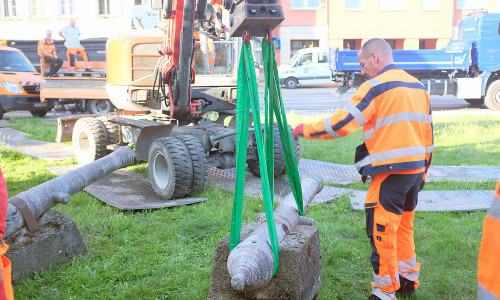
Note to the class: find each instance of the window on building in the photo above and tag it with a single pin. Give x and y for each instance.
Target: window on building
(36, 8)
(392, 5)
(296, 45)
(306, 4)
(66, 8)
(427, 44)
(472, 4)
(353, 4)
(392, 43)
(349, 44)
(103, 7)
(8, 8)
(430, 5)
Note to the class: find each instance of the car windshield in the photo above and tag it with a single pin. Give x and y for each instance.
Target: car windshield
(294, 58)
(14, 61)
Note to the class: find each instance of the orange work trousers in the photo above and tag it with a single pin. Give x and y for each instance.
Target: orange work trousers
(6, 270)
(389, 208)
(71, 54)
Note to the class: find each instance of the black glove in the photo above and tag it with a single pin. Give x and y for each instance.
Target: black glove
(422, 184)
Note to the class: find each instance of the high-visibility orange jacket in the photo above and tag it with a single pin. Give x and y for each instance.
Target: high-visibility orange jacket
(488, 268)
(46, 48)
(394, 112)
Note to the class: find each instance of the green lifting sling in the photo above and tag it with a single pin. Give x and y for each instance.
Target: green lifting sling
(247, 94)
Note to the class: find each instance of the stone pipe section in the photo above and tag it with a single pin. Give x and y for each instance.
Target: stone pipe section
(39, 199)
(251, 263)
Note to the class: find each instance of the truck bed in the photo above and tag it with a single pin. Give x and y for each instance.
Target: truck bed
(79, 84)
(413, 61)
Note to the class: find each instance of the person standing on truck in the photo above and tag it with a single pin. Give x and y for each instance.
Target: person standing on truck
(395, 115)
(71, 35)
(47, 51)
(488, 268)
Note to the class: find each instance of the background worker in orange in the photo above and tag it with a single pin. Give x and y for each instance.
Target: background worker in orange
(6, 291)
(71, 35)
(488, 268)
(394, 112)
(47, 51)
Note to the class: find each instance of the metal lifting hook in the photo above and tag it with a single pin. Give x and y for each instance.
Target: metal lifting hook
(246, 37)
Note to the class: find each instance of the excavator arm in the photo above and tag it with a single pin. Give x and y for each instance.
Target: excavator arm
(256, 17)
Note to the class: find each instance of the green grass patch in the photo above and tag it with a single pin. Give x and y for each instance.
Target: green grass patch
(36, 127)
(168, 253)
(459, 141)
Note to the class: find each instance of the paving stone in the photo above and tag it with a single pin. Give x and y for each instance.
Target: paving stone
(5, 123)
(225, 179)
(454, 200)
(44, 150)
(463, 173)
(331, 172)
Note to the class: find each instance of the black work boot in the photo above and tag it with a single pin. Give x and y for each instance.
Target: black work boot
(373, 297)
(407, 287)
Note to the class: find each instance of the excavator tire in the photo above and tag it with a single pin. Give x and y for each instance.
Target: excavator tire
(113, 132)
(279, 158)
(169, 166)
(198, 161)
(89, 140)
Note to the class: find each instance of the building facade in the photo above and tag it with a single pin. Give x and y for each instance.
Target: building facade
(346, 24)
(29, 19)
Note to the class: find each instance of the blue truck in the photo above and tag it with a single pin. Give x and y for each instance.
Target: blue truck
(468, 67)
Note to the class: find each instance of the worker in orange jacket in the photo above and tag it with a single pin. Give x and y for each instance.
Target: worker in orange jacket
(6, 291)
(47, 51)
(394, 112)
(488, 268)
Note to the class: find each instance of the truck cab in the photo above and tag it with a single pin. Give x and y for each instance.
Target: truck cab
(19, 84)
(308, 66)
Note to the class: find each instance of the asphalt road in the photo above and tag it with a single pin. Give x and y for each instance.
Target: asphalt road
(312, 100)
(323, 99)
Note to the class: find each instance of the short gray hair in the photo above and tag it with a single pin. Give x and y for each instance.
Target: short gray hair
(377, 45)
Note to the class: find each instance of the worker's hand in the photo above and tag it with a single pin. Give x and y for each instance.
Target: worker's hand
(422, 185)
(299, 130)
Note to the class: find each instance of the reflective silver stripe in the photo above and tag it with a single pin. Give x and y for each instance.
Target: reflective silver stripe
(374, 82)
(402, 117)
(494, 211)
(396, 153)
(484, 294)
(368, 134)
(407, 268)
(329, 129)
(397, 118)
(356, 113)
(383, 281)
(429, 149)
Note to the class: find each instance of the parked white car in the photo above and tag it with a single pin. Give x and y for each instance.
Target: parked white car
(307, 66)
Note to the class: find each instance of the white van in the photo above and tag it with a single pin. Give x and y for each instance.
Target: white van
(307, 66)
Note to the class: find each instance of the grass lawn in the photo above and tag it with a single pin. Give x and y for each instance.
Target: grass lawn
(168, 253)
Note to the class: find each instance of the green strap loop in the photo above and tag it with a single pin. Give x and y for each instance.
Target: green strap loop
(247, 95)
(276, 105)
